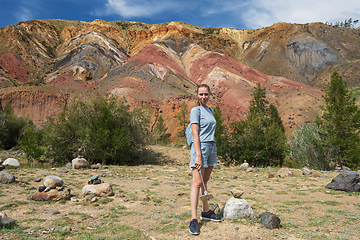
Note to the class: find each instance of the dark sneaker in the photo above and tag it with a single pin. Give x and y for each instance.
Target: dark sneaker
(193, 227)
(210, 216)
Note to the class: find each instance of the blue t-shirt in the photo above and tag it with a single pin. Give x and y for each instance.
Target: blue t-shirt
(207, 126)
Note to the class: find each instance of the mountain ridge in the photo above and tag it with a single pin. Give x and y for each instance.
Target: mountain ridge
(159, 65)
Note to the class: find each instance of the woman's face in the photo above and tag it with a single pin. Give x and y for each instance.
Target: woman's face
(203, 96)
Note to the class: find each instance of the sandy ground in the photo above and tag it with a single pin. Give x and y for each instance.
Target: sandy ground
(306, 208)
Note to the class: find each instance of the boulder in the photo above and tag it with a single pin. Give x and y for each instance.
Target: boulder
(11, 162)
(237, 208)
(6, 177)
(52, 195)
(100, 190)
(78, 163)
(244, 166)
(53, 182)
(306, 171)
(270, 220)
(284, 172)
(4, 219)
(347, 181)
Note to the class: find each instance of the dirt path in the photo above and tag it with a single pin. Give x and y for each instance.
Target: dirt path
(307, 210)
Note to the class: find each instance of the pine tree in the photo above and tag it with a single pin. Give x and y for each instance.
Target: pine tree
(340, 123)
(183, 117)
(260, 139)
(160, 131)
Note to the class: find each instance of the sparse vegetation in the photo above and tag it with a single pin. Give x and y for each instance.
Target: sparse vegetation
(348, 23)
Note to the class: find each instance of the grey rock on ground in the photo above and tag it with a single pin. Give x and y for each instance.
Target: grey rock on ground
(78, 163)
(306, 171)
(53, 182)
(270, 220)
(6, 177)
(11, 162)
(347, 181)
(237, 208)
(37, 179)
(244, 166)
(4, 219)
(100, 190)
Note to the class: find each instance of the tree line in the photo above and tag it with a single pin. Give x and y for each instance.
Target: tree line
(107, 132)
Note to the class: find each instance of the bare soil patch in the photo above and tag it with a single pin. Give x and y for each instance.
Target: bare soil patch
(306, 208)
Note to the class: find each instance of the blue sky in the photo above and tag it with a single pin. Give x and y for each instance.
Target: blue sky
(240, 14)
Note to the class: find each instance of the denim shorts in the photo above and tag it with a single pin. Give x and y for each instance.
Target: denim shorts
(208, 154)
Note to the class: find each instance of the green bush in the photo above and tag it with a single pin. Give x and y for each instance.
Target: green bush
(105, 129)
(260, 138)
(305, 149)
(11, 127)
(31, 142)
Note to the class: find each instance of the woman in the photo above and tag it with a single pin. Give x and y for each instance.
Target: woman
(203, 156)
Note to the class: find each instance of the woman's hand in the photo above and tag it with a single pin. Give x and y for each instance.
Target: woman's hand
(198, 162)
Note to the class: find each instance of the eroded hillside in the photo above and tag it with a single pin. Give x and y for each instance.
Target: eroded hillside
(160, 65)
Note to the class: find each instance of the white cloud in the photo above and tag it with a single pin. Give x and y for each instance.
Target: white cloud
(265, 13)
(238, 13)
(139, 8)
(24, 14)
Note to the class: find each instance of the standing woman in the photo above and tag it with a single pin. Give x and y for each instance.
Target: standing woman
(203, 156)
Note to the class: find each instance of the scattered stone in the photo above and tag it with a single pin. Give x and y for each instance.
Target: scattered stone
(91, 198)
(337, 168)
(47, 189)
(257, 170)
(42, 188)
(315, 175)
(79, 163)
(74, 199)
(270, 220)
(250, 169)
(237, 208)
(37, 179)
(68, 165)
(100, 190)
(347, 181)
(94, 177)
(52, 195)
(270, 167)
(2, 167)
(121, 195)
(233, 177)
(272, 175)
(255, 215)
(94, 182)
(244, 166)
(5, 220)
(6, 177)
(180, 193)
(53, 181)
(284, 172)
(53, 212)
(95, 166)
(216, 209)
(144, 198)
(306, 171)
(62, 171)
(11, 162)
(237, 193)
